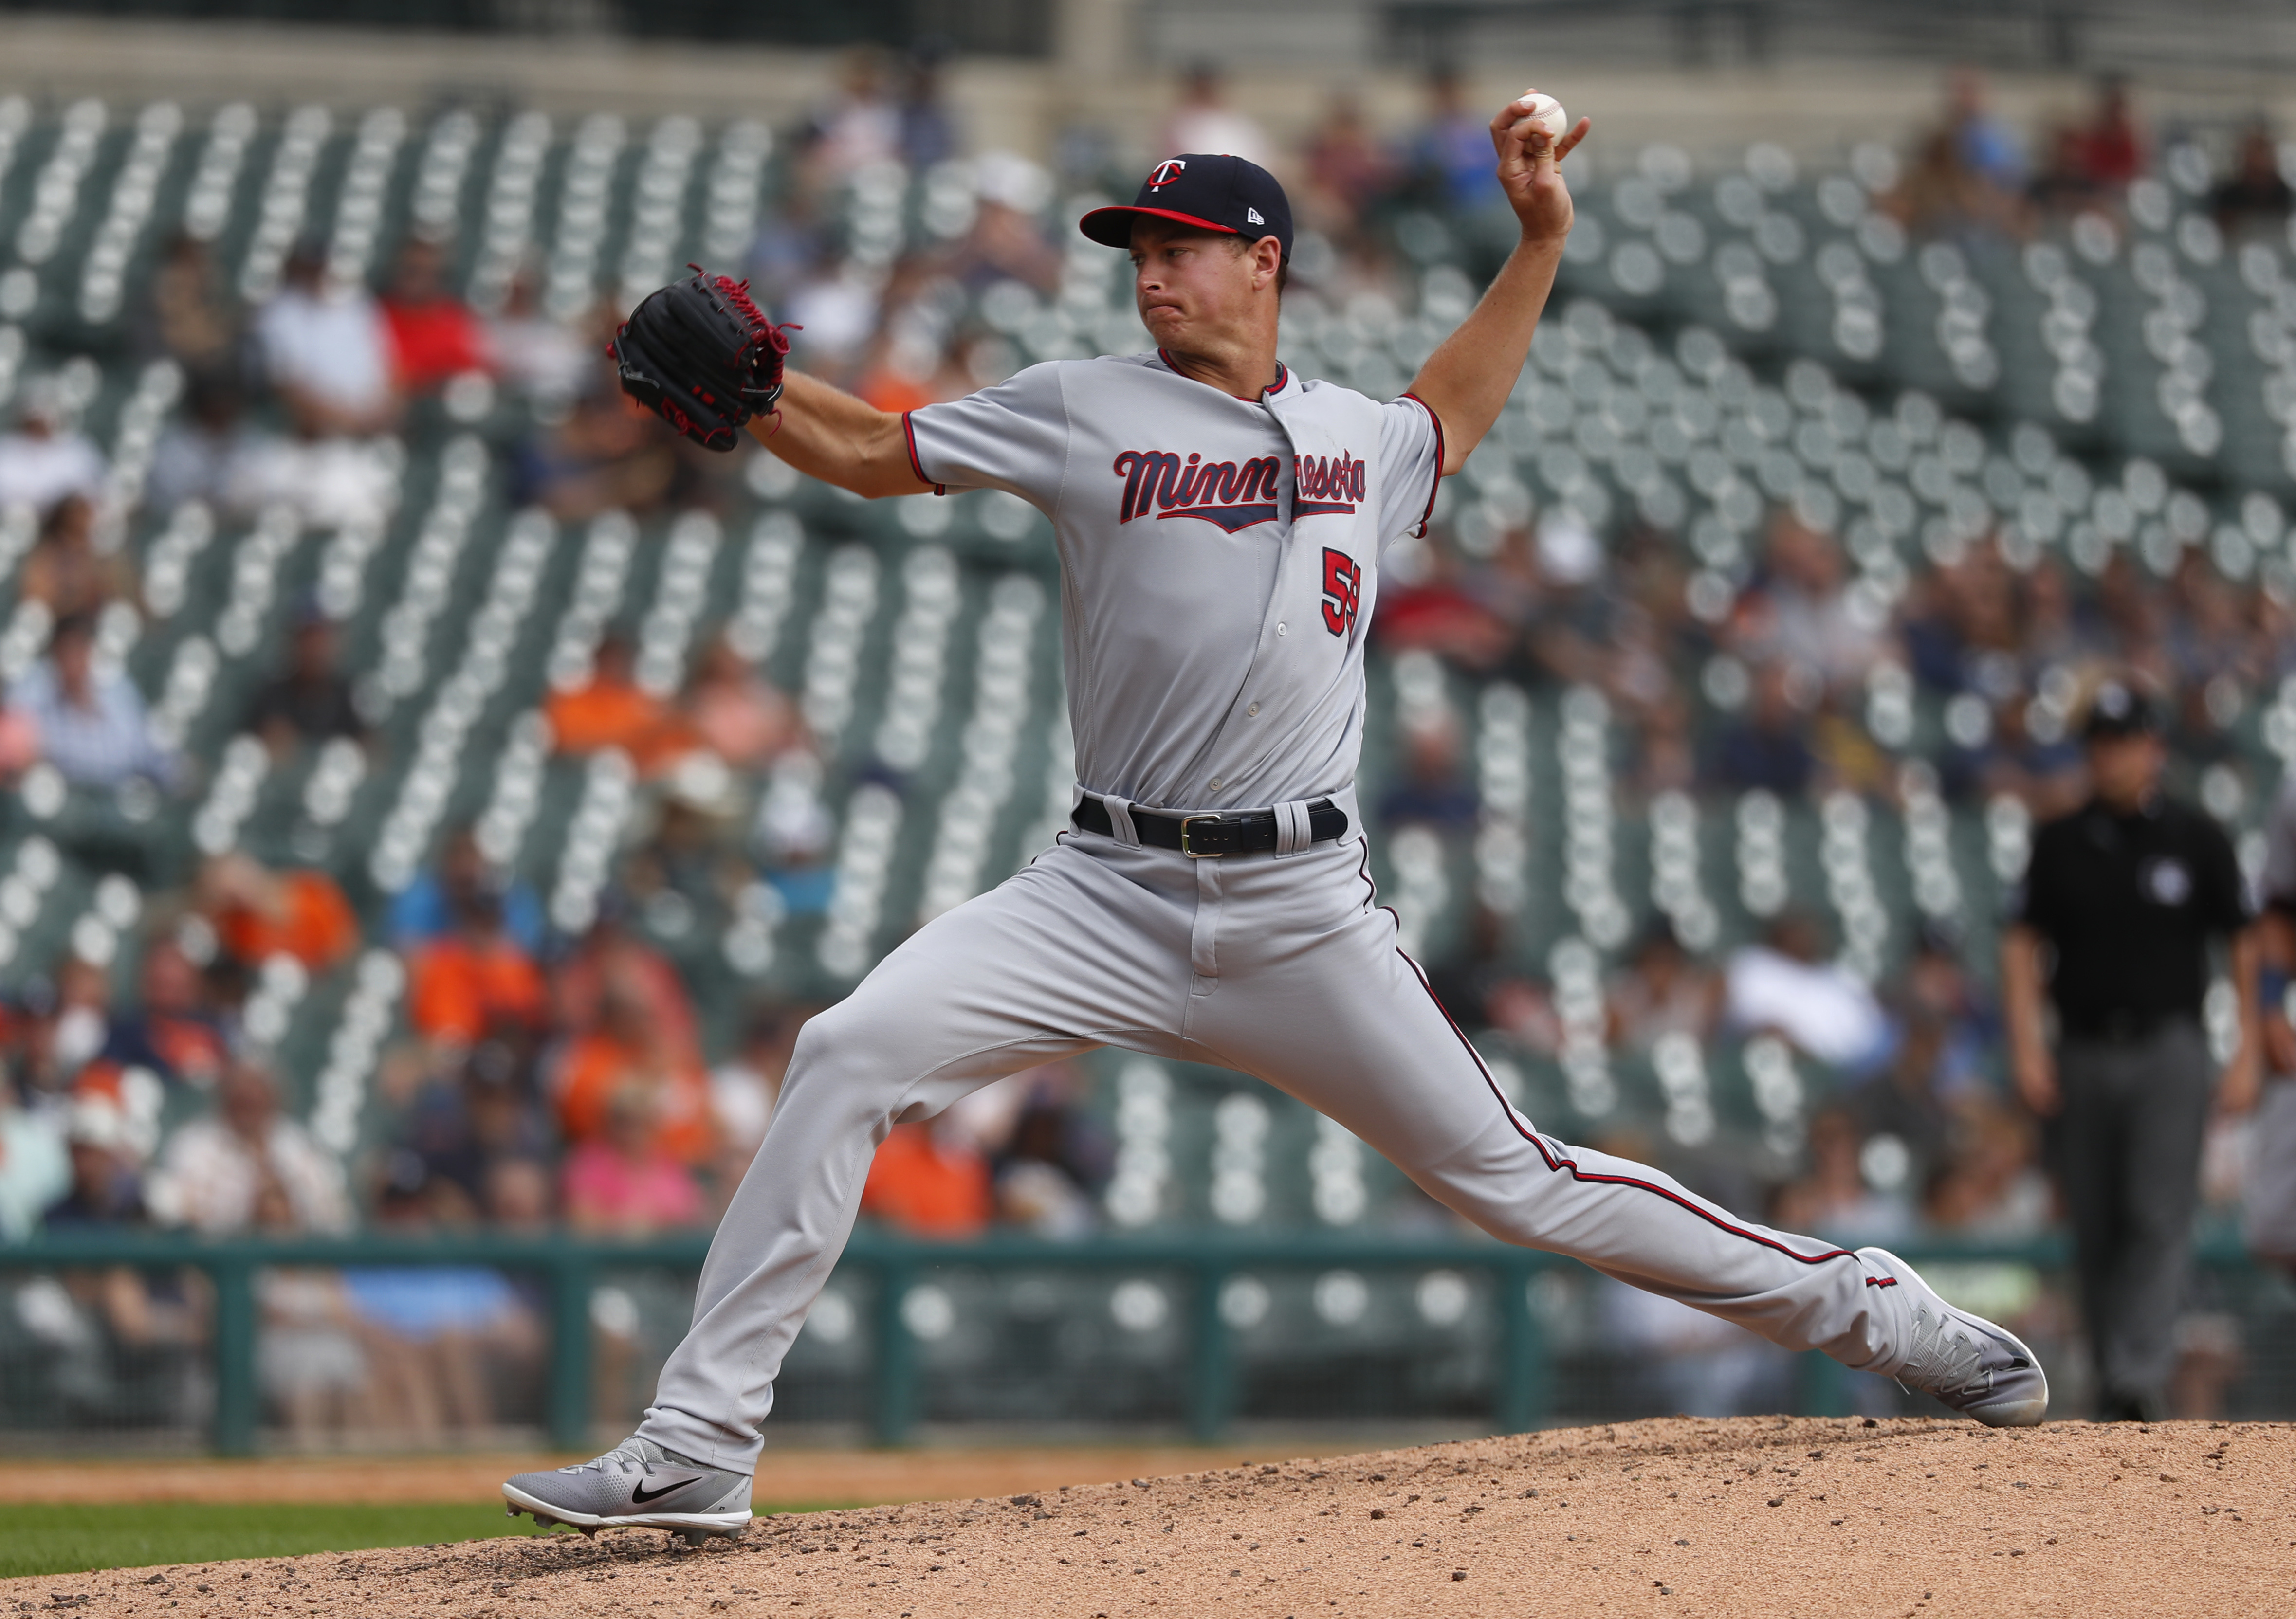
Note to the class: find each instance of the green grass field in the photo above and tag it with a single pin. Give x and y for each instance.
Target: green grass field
(44, 1539)
(37, 1538)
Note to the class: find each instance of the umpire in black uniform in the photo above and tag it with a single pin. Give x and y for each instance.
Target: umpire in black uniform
(2120, 906)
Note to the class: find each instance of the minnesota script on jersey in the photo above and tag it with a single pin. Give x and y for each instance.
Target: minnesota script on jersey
(1218, 560)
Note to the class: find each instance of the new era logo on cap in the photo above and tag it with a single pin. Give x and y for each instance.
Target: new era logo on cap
(1212, 191)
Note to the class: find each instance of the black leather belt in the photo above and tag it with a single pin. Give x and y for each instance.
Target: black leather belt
(1199, 837)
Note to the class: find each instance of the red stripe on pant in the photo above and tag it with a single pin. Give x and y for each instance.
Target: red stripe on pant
(1559, 1165)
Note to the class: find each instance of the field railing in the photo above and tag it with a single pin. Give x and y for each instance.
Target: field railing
(568, 1268)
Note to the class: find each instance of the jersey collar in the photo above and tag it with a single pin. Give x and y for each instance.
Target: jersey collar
(1274, 389)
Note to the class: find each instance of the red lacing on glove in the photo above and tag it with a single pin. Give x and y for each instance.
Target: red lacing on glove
(763, 333)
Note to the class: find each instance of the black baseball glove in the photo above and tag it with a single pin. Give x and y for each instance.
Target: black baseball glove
(702, 356)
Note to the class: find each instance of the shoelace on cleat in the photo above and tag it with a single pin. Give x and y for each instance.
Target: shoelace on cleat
(625, 1453)
(1941, 1362)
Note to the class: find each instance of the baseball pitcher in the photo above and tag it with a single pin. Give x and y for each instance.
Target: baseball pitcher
(1220, 522)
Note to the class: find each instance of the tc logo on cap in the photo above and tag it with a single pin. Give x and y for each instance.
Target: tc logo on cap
(1203, 191)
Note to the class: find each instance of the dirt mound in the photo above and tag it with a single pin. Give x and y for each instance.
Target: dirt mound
(1757, 1516)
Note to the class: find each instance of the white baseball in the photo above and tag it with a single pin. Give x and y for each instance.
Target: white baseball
(1547, 110)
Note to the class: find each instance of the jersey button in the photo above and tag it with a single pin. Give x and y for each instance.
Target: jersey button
(1283, 629)
(1253, 713)
(1216, 784)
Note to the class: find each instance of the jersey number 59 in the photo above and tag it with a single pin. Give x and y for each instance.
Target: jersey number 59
(1342, 590)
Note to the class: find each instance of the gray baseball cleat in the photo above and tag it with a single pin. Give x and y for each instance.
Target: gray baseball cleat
(636, 1485)
(1980, 1370)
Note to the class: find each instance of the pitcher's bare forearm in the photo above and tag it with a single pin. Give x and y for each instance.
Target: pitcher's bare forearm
(1467, 379)
(827, 433)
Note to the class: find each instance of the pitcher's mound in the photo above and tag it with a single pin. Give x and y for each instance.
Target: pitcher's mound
(1764, 1515)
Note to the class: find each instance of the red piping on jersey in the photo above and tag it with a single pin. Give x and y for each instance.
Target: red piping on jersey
(1435, 482)
(909, 433)
(1283, 376)
(1556, 1163)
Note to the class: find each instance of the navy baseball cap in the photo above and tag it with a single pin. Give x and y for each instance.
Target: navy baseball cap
(2118, 709)
(1212, 191)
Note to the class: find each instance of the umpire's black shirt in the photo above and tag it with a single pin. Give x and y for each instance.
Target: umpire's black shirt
(2129, 904)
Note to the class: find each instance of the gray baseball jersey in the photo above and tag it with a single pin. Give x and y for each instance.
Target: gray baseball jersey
(1218, 560)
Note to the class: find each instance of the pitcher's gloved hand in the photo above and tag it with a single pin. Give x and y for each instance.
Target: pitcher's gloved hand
(702, 356)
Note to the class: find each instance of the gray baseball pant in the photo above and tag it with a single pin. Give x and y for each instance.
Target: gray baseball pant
(2128, 1156)
(1278, 967)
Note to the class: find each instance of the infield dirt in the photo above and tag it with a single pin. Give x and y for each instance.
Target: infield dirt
(1809, 1516)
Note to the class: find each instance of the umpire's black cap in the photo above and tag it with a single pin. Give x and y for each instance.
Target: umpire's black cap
(2118, 709)
(1212, 191)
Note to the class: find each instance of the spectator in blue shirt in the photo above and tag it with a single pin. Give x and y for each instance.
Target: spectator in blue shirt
(91, 722)
(1988, 148)
(427, 907)
(1450, 155)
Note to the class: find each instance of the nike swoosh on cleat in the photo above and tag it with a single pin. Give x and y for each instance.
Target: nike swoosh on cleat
(640, 1496)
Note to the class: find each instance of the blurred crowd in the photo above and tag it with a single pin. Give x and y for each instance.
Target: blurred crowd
(555, 1076)
(1973, 175)
(1786, 692)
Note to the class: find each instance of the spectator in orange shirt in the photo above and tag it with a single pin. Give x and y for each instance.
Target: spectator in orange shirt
(475, 980)
(896, 379)
(258, 914)
(612, 710)
(629, 1047)
(925, 1186)
(434, 337)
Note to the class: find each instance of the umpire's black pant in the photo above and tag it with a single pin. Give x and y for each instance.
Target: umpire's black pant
(2128, 1147)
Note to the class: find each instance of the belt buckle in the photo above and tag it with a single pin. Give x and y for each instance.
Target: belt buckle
(1185, 823)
